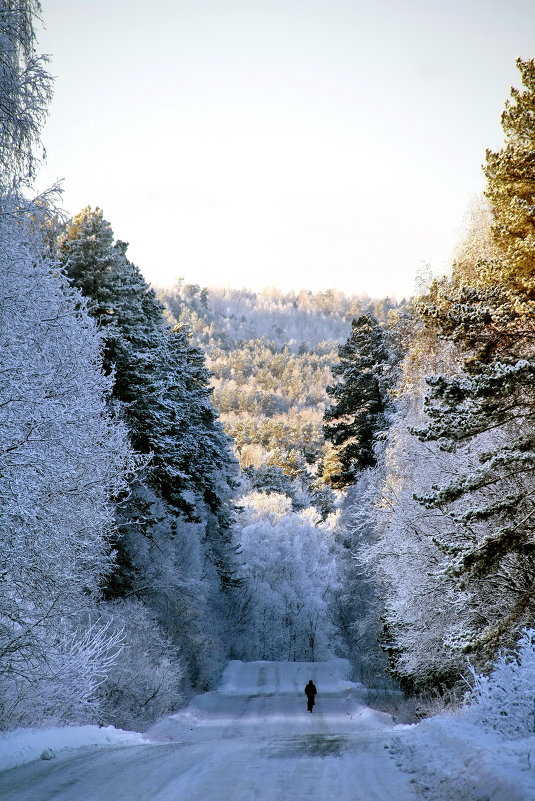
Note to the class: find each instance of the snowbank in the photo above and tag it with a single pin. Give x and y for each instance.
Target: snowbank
(24, 745)
(456, 760)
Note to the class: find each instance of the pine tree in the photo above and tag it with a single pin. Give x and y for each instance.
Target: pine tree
(160, 378)
(357, 417)
(511, 191)
(175, 549)
(486, 412)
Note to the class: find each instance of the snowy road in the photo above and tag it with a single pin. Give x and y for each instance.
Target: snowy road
(253, 740)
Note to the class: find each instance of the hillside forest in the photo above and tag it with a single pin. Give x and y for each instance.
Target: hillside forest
(196, 474)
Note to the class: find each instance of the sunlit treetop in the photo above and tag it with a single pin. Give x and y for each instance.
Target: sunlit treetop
(511, 188)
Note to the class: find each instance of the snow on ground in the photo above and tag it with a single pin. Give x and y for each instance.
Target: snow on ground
(24, 745)
(453, 760)
(252, 740)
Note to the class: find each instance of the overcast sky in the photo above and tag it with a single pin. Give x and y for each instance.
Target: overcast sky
(290, 143)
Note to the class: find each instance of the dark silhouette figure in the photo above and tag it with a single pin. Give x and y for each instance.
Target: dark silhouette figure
(310, 692)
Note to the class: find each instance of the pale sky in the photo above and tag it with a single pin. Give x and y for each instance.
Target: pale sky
(290, 143)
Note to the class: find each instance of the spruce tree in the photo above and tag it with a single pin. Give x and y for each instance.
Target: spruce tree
(175, 550)
(357, 416)
(160, 378)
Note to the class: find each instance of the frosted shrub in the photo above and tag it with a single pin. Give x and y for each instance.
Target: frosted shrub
(145, 681)
(72, 665)
(505, 699)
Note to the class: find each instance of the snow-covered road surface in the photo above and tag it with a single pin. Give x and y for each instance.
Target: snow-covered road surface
(252, 740)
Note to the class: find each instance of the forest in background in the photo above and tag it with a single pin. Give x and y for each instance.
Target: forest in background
(137, 557)
(271, 356)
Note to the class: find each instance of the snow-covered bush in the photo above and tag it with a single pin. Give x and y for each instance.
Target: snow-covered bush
(63, 688)
(145, 680)
(505, 699)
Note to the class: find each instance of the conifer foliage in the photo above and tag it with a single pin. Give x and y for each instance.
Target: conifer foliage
(357, 416)
(511, 189)
(160, 378)
(175, 549)
(489, 407)
(449, 521)
(455, 513)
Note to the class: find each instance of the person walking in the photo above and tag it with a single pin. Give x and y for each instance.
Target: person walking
(310, 692)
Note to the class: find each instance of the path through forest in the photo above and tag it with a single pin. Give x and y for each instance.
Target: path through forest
(252, 740)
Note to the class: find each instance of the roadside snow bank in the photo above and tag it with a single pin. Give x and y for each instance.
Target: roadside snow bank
(24, 745)
(456, 760)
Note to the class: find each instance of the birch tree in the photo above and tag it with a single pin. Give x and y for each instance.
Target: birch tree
(62, 459)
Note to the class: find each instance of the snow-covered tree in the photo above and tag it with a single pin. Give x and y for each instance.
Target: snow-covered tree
(455, 547)
(271, 478)
(160, 378)
(422, 610)
(25, 91)
(289, 570)
(62, 459)
(485, 412)
(181, 505)
(359, 604)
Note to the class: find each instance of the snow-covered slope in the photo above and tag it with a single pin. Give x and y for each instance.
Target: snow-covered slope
(253, 740)
(454, 760)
